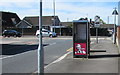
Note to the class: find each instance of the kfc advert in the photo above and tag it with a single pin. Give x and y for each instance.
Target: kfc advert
(80, 49)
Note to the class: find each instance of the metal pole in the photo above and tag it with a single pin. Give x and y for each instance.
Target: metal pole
(87, 40)
(108, 19)
(60, 29)
(40, 48)
(54, 13)
(115, 27)
(96, 35)
(115, 30)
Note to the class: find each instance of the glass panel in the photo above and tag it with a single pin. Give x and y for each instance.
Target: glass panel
(81, 32)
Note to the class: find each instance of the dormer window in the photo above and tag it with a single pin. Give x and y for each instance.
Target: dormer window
(14, 21)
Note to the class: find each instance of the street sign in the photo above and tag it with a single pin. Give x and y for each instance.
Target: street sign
(119, 13)
(97, 21)
(97, 25)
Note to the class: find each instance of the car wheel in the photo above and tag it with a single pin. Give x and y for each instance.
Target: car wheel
(50, 36)
(8, 36)
(4, 35)
(38, 35)
(15, 36)
(19, 36)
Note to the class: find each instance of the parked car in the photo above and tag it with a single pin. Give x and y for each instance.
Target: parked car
(46, 33)
(9, 33)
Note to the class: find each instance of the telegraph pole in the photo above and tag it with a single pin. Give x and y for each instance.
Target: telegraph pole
(40, 47)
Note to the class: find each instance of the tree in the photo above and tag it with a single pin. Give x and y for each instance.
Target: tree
(102, 21)
(70, 26)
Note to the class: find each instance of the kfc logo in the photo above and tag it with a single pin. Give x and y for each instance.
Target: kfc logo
(80, 48)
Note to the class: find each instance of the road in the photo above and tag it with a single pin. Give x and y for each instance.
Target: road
(20, 54)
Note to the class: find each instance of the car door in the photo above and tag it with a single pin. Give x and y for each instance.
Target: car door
(45, 33)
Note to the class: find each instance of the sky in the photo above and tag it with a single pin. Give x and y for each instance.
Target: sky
(66, 10)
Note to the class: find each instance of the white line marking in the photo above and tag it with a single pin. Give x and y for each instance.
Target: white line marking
(59, 59)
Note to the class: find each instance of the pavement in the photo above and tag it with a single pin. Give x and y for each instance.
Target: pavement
(101, 63)
(118, 43)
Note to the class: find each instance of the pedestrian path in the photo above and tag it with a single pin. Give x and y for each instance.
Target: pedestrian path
(100, 62)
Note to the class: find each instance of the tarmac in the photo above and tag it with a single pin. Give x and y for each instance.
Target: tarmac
(103, 60)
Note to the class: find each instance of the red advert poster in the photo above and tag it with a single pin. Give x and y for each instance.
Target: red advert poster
(80, 49)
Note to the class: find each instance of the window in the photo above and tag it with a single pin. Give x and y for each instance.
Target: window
(14, 21)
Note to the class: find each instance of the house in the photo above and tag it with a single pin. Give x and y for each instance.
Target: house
(103, 30)
(66, 28)
(67, 24)
(108, 26)
(33, 22)
(8, 19)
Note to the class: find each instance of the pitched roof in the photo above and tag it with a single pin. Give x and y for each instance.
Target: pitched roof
(32, 20)
(66, 23)
(46, 20)
(24, 24)
(9, 19)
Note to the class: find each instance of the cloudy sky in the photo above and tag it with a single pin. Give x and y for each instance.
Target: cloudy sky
(66, 10)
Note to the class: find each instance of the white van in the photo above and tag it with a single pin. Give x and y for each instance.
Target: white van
(46, 33)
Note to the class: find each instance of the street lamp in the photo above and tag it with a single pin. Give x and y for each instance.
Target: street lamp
(54, 14)
(115, 30)
(40, 47)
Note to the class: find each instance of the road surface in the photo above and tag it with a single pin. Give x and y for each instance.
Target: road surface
(20, 54)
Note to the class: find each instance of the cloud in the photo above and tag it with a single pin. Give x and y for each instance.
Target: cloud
(81, 0)
(29, 12)
(18, 4)
(71, 10)
(19, 0)
(21, 8)
(77, 10)
(59, 0)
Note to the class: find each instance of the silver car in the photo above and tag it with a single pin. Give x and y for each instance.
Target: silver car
(46, 33)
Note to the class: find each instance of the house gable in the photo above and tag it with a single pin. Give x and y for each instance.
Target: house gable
(24, 24)
(9, 19)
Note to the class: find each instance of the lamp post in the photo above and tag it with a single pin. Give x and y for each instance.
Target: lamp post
(54, 14)
(40, 47)
(115, 27)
